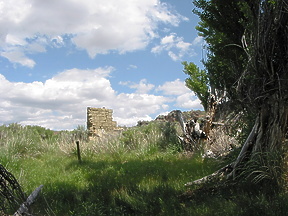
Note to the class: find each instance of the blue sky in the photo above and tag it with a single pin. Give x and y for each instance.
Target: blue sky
(59, 57)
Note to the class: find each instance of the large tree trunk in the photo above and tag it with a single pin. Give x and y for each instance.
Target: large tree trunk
(262, 85)
(268, 133)
(266, 137)
(268, 91)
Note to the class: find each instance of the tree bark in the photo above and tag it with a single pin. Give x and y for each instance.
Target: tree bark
(267, 136)
(261, 78)
(268, 133)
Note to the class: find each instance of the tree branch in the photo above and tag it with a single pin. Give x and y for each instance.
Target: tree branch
(24, 207)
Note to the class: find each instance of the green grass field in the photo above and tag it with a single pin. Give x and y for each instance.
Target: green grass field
(140, 172)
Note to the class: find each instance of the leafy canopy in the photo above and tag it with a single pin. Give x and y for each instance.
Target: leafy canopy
(198, 82)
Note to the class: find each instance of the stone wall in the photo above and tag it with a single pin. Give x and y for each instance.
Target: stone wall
(99, 120)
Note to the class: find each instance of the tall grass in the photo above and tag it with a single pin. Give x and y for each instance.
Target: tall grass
(139, 171)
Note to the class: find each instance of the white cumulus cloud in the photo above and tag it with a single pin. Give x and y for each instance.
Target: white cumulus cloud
(142, 87)
(18, 56)
(97, 26)
(176, 87)
(175, 46)
(61, 101)
(189, 101)
(183, 96)
(199, 40)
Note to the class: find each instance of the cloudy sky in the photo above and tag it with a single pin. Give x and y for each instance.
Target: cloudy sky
(59, 57)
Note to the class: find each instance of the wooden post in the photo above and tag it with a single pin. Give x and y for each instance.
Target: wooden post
(78, 151)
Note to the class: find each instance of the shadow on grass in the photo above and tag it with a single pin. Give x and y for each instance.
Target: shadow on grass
(237, 199)
(133, 187)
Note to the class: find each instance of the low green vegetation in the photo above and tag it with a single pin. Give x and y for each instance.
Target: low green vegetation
(140, 171)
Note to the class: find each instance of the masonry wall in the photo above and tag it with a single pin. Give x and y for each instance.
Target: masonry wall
(99, 119)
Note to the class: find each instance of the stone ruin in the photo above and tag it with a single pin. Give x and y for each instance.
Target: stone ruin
(99, 121)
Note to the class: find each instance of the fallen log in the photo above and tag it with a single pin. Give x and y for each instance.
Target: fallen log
(31, 198)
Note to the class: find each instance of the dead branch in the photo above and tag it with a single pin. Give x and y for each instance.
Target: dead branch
(191, 132)
(31, 198)
(10, 190)
(248, 143)
(223, 171)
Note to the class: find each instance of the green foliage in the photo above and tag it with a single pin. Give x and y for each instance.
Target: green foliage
(222, 25)
(245, 49)
(247, 58)
(42, 132)
(273, 2)
(198, 82)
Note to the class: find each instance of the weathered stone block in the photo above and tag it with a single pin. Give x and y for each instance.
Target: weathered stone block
(100, 119)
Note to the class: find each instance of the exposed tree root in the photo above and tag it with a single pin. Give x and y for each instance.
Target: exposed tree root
(219, 174)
